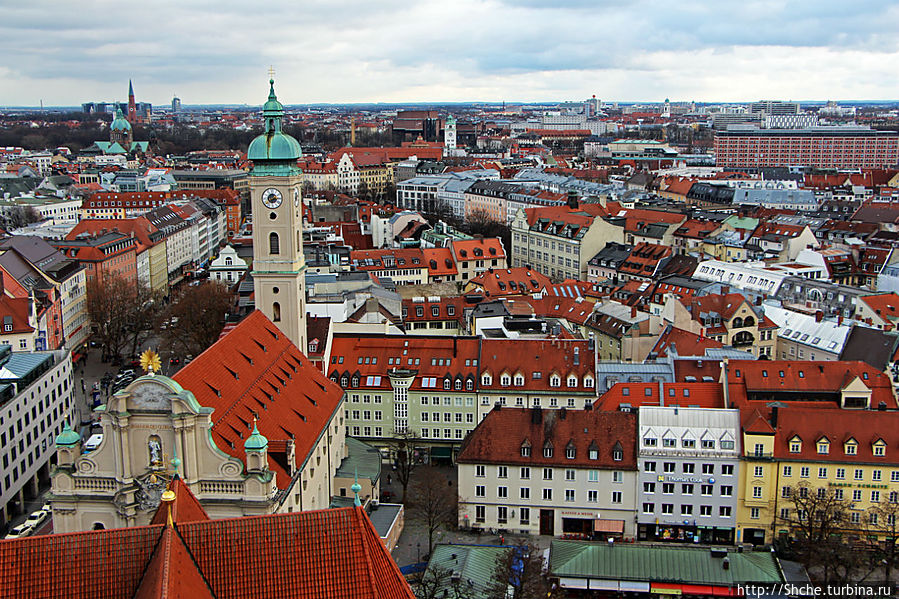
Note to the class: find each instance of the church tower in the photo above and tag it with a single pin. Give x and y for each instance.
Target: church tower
(132, 105)
(278, 263)
(449, 133)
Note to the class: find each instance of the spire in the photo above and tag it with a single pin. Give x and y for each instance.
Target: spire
(356, 488)
(130, 89)
(67, 436)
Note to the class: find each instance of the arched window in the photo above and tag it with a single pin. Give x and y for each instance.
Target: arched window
(749, 321)
(737, 323)
(98, 526)
(276, 312)
(228, 261)
(274, 244)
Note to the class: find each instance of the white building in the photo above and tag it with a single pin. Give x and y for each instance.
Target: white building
(550, 472)
(35, 400)
(228, 267)
(751, 277)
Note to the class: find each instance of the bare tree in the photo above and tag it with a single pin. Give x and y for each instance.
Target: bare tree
(438, 583)
(882, 522)
(200, 312)
(518, 574)
(816, 521)
(402, 448)
(122, 312)
(434, 503)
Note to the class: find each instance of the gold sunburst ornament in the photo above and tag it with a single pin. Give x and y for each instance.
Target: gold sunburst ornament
(149, 361)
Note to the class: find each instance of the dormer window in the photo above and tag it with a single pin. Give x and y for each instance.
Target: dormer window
(795, 445)
(469, 385)
(504, 380)
(880, 448)
(570, 452)
(548, 450)
(650, 441)
(851, 447)
(458, 384)
(525, 449)
(519, 380)
(555, 381)
(486, 380)
(667, 442)
(823, 446)
(446, 383)
(617, 452)
(572, 381)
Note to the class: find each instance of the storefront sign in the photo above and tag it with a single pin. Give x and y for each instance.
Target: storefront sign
(567, 514)
(676, 478)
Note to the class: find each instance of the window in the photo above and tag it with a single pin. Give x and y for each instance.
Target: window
(879, 450)
(823, 447)
(547, 494)
(688, 443)
(570, 453)
(841, 473)
(727, 491)
(668, 488)
(669, 443)
(276, 312)
(803, 472)
(756, 492)
(651, 467)
(727, 469)
(856, 495)
(727, 444)
(876, 475)
(724, 511)
(617, 454)
(480, 491)
(689, 468)
(706, 490)
(795, 446)
(759, 450)
(788, 471)
(875, 496)
(274, 244)
(649, 508)
(524, 515)
(525, 451)
(502, 514)
(548, 451)
(524, 492)
(616, 496)
(686, 489)
(859, 474)
(525, 473)
(822, 472)
(547, 474)
(838, 494)
(758, 471)
(705, 510)
(686, 510)
(502, 492)
(668, 508)
(649, 487)
(649, 442)
(754, 513)
(617, 476)
(479, 471)
(668, 467)
(479, 513)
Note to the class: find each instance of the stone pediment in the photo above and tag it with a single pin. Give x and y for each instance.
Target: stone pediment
(156, 393)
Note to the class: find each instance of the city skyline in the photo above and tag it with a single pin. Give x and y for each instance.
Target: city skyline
(470, 51)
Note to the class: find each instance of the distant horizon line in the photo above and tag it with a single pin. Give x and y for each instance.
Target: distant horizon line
(77, 107)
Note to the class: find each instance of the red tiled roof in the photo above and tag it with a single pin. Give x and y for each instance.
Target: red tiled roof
(185, 507)
(497, 282)
(256, 372)
(370, 357)
(477, 249)
(885, 305)
(537, 360)
(753, 382)
(696, 229)
(810, 425)
(725, 305)
(703, 395)
(427, 309)
(499, 437)
(332, 553)
(644, 259)
(17, 309)
(439, 262)
(684, 342)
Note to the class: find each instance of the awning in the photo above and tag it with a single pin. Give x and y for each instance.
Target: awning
(442, 452)
(615, 526)
(639, 587)
(573, 583)
(603, 585)
(724, 592)
(665, 589)
(696, 589)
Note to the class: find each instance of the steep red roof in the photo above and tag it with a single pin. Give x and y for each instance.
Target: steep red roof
(498, 439)
(14, 312)
(684, 342)
(703, 395)
(752, 382)
(497, 282)
(644, 259)
(864, 426)
(885, 305)
(184, 508)
(256, 372)
(536, 360)
(478, 249)
(332, 553)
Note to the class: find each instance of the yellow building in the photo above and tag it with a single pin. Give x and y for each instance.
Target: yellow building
(850, 455)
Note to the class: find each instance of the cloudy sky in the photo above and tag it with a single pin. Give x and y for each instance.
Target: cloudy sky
(206, 51)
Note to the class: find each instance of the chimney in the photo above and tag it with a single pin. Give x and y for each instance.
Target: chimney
(774, 417)
(840, 319)
(725, 563)
(725, 289)
(819, 316)
(572, 200)
(633, 311)
(536, 415)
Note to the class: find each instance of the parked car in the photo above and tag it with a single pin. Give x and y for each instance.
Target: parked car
(20, 531)
(37, 518)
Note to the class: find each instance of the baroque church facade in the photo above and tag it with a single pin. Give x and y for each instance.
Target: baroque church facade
(250, 426)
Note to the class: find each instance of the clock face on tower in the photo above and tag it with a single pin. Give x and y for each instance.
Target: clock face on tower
(271, 197)
(296, 197)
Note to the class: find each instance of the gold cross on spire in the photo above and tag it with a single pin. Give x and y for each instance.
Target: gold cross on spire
(271, 72)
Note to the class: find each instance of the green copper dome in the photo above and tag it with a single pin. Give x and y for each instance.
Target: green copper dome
(273, 145)
(255, 442)
(67, 437)
(119, 123)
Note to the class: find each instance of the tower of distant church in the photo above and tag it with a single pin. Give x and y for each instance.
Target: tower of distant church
(132, 105)
(120, 130)
(278, 263)
(449, 133)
